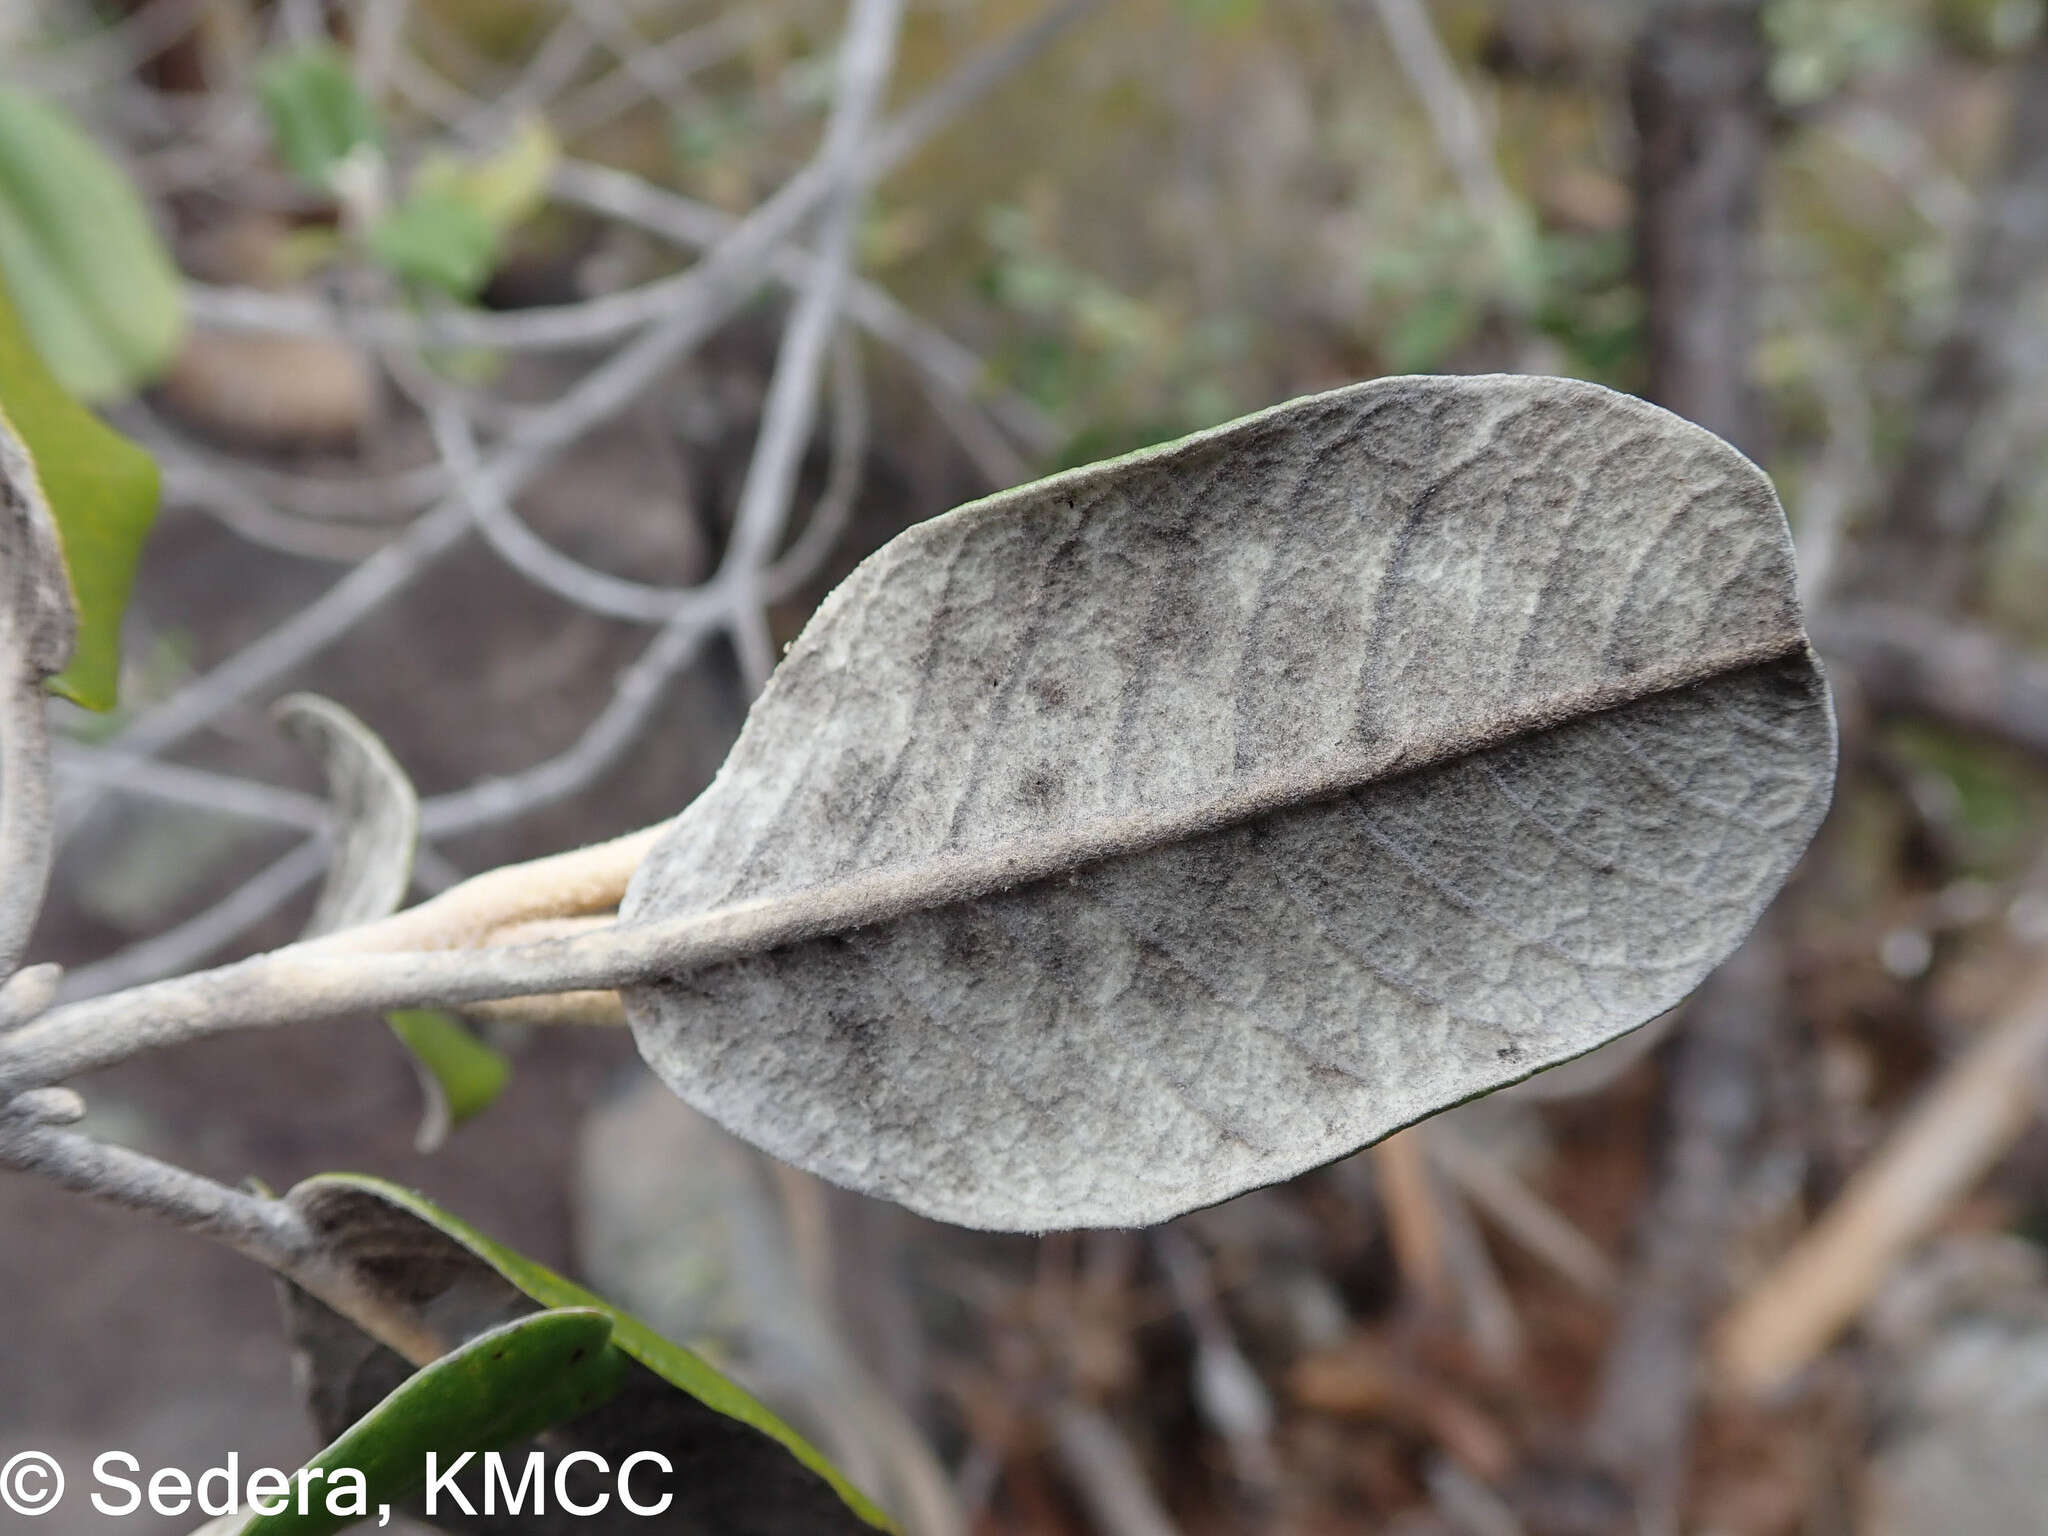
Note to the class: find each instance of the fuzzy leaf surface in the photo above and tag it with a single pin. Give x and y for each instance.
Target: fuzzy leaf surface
(1241, 801)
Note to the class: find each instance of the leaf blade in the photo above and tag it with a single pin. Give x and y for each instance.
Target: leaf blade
(101, 491)
(318, 115)
(461, 1075)
(375, 805)
(502, 1386)
(98, 292)
(1145, 695)
(409, 1248)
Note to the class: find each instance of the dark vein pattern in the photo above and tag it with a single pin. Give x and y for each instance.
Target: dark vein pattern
(1510, 671)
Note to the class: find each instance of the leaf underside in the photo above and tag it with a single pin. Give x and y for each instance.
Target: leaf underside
(376, 810)
(1271, 790)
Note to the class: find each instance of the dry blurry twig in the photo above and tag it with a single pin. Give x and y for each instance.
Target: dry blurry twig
(1974, 1112)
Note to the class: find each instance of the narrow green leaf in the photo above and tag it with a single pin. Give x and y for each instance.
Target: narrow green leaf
(427, 1259)
(101, 298)
(318, 115)
(501, 1387)
(102, 494)
(459, 1073)
(438, 239)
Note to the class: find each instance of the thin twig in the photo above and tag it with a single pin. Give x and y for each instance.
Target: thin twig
(1106, 1473)
(594, 591)
(1409, 1197)
(1907, 661)
(687, 53)
(791, 407)
(827, 522)
(1971, 1116)
(609, 316)
(1461, 134)
(948, 368)
(269, 1231)
(199, 788)
(1533, 1223)
(207, 932)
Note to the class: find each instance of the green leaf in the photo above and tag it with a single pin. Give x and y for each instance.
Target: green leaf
(459, 1074)
(99, 293)
(438, 239)
(503, 1386)
(101, 491)
(415, 1255)
(318, 115)
(507, 187)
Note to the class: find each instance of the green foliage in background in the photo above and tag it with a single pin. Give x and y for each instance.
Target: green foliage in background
(102, 492)
(319, 117)
(100, 295)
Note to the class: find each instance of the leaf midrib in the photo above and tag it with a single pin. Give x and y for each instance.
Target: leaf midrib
(734, 930)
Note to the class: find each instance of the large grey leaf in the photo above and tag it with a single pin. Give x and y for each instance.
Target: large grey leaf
(1267, 792)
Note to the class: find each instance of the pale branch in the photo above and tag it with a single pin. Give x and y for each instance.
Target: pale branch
(247, 515)
(337, 610)
(45, 1106)
(546, 74)
(268, 1231)
(385, 501)
(680, 56)
(1907, 661)
(462, 913)
(594, 1010)
(206, 932)
(942, 363)
(807, 555)
(379, 31)
(1106, 1472)
(594, 591)
(1461, 134)
(1539, 1227)
(27, 836)
(25, 994)
(791, 406)
(197, 788)
(717, 285)
(661, 77)
(593, 321)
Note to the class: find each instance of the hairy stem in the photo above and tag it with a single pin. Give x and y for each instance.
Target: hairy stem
(26, 839)
(271, 1232)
